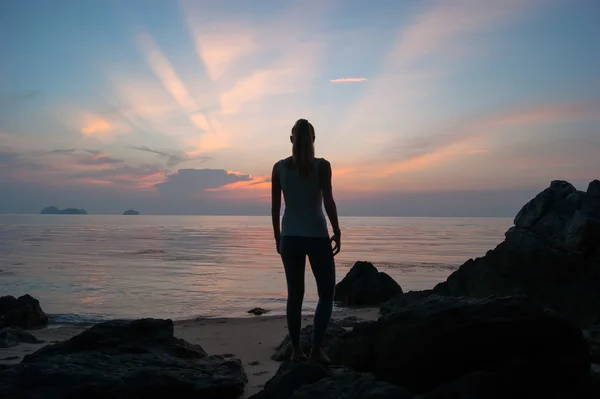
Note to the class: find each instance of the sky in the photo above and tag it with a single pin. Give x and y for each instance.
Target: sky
(423, 108)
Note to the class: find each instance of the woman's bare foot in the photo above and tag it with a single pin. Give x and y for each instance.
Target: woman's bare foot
(298, 355)
(319, 356)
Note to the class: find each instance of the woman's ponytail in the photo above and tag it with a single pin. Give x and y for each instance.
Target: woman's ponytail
(303, 150)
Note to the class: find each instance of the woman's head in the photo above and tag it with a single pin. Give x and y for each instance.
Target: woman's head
(303, 149)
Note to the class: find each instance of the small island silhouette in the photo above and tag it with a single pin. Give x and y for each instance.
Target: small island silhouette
(131, 212)
(52, 210)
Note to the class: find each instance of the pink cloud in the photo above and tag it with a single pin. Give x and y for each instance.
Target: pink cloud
(347, 80)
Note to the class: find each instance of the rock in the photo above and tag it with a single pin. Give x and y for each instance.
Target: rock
(289, 377)
(334, 332)
(52, 210)
(365, 285)
(124, 359)
(311, 381)
(440, 339)
(351, 386)
(400, 301)
(258, 311)
(10, 336)
(592, 337)
(131, 212)
(551, 254)
(348, 321)
(24, 312)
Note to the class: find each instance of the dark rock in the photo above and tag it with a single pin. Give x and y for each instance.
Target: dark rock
(334, 332)
(258, 311)
(349, 321)
(365, 285)
(289, 377)
(551, 254)
(592, 337)
(351, 386)
(131, 212)
(124, 359)
(439, 339)
(312, 381)
(24, 312)
(11, 336)
(400, 301)
(52, 210)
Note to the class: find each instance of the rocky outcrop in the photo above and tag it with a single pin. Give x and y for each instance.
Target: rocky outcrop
(400, 301)
(124, 359)
(52, 210)
(444, 340)
(312, 381)
(23, 312)
(365, 285)
(10, 336)
(551, 254)
(334, 332)
(131, 212)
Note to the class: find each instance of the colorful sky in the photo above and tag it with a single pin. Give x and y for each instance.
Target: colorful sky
(424, 108)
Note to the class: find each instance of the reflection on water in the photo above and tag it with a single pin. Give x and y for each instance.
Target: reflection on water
(96, 267)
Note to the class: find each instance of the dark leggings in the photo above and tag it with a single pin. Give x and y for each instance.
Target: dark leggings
(294, 250)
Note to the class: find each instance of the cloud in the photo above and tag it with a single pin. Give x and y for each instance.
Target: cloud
(100, 160)
(475, 151)
(441, 27)
(165, 72)
(347, 80)
(126, 176)
(193, 182)
(291, 73)
(63, 151)
(220, 51)
(101, 128)
(173, 158)
(17, 98)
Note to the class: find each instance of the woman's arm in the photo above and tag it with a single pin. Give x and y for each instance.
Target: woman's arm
(327, 190)
(276, 204)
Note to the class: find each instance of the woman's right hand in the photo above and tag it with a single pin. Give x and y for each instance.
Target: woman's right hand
(336, 239)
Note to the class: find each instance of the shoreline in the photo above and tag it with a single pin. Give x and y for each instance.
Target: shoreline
(251, 339)
(52, 323)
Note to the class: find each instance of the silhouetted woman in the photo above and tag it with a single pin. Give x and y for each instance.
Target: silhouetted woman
(306, 184)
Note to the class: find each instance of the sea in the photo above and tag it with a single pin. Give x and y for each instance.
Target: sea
(90, 268)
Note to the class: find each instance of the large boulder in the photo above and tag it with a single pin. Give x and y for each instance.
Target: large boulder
(365, 285)
(124, 359)
(23, 312)
(11, 336)
(551, 254)
(400, 301)
(334, 332)
(312, 381)
(439, 340)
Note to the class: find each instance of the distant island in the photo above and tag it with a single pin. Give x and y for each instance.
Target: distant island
(52, 210)
(131, 212)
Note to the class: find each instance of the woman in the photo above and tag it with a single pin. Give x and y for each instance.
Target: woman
(306, 184)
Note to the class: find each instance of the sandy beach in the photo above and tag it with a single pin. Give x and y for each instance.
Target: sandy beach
(250, 339)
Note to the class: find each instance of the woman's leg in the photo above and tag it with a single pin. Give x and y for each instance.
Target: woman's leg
(323, 268)
(294, 263)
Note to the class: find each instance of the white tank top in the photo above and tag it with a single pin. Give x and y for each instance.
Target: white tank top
(303, 215)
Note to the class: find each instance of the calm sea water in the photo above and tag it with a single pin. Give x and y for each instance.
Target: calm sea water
(91, 268)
